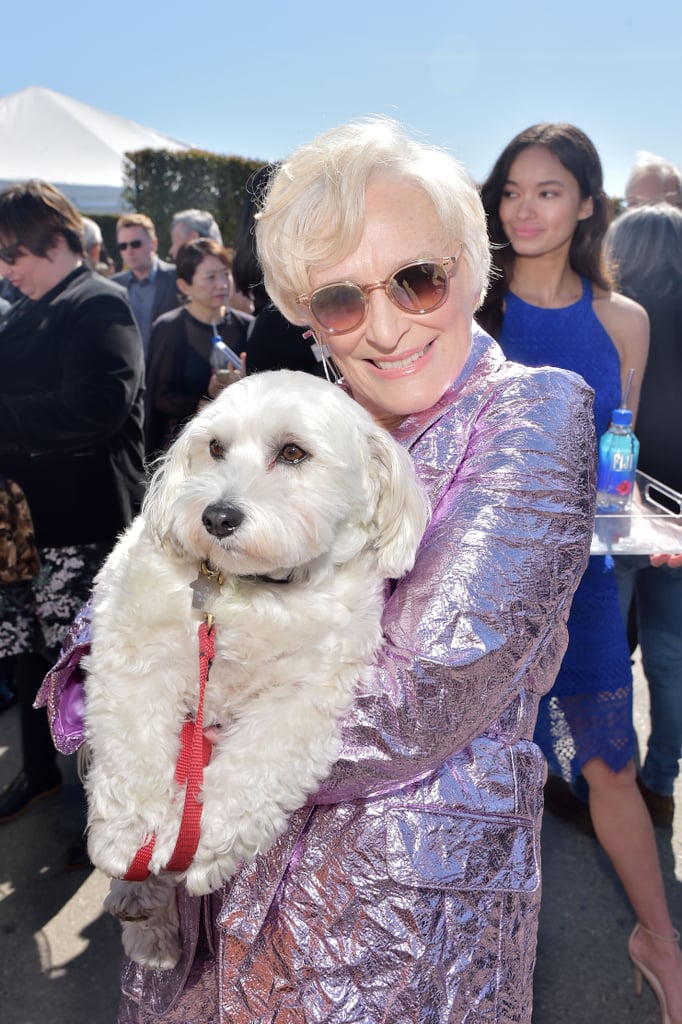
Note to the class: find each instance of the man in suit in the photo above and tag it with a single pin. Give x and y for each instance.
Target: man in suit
(149, 280)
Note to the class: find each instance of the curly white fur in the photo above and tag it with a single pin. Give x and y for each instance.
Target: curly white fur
(319, 495)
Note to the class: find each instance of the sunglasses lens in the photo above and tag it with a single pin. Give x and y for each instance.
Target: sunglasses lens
(338, 307)
(419, 287)
(135, 244)
(10, 254)
(416, 288)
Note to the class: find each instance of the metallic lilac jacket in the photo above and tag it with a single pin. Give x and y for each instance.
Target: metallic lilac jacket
(407, 890)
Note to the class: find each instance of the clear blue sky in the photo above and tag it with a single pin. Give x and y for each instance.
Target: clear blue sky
(258, 77)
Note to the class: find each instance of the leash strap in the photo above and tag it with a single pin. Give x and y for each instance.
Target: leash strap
(195, 753)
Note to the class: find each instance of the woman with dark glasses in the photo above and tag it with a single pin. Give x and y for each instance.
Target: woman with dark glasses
(408, 889)
(71, 387)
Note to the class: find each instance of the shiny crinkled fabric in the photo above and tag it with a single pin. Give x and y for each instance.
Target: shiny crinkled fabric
(63, 690)
(407, 890)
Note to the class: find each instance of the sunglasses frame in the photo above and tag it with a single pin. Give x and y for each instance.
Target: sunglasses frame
(136, 243)
(11, 254)
(445, 262)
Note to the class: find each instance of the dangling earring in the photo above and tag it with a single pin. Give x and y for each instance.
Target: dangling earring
(321, 352)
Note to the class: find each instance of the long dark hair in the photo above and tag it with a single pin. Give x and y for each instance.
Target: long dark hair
(577, 154)
(246, 269)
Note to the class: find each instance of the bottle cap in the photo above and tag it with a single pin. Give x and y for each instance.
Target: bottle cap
(622, 417)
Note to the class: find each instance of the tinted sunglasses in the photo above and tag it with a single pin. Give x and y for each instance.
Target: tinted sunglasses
(135, 244)
(11, 253)
(419, 287)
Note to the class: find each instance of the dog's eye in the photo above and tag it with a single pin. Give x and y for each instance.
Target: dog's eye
(292, 454)
(216, 449)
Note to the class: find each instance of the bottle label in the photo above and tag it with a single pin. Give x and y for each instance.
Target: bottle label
(615, 477)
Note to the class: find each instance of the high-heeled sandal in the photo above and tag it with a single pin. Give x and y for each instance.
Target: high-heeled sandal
(640, 969)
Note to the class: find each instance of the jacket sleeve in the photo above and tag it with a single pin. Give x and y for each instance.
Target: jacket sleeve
(482, 615)
(99, 375)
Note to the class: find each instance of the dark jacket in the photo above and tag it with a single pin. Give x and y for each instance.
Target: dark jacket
(178, 368)
(71, 409)
(276, 344)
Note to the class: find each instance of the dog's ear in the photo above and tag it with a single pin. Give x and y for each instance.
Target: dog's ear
(157, 507)
(401, 509)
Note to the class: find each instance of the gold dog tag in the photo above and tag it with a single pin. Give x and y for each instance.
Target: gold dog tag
(206, 587)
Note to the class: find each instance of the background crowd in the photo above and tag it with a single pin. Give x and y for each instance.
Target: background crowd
(569, 290)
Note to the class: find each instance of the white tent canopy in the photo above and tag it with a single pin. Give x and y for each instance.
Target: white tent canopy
(44, 134)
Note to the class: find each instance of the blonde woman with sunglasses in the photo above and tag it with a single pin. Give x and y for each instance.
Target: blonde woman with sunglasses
(408, 886)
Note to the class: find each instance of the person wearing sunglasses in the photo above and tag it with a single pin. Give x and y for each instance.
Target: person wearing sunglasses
(71, 412)
(150, 281)
(408, 886)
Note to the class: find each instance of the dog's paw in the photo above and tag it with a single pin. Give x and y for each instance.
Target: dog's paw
(149, 915)
(205, 876)
(108, 860)
(155, 944)
(111, 853)
(113, 845)
(138, 901)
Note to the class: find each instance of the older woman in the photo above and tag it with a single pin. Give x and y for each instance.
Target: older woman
(178, 362)
(407, 888)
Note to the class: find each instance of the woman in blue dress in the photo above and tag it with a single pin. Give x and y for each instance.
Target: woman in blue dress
(552, 304)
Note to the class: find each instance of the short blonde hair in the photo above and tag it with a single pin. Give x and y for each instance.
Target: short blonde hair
(314, 210)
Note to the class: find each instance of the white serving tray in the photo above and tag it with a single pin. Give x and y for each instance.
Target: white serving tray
(651, 526)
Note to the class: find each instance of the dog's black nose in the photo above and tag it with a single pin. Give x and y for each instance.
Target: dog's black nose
(221, 520)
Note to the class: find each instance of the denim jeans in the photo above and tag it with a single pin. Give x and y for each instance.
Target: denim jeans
(658, 593)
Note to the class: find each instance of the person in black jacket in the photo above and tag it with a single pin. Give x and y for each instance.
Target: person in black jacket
(71, 435)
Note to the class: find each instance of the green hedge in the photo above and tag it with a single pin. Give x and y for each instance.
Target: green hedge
(160, 183)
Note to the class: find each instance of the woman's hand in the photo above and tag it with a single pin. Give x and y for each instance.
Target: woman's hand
(674, 561)
(223, 378)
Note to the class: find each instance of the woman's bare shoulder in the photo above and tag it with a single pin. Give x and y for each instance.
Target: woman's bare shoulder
(619, 314)
(627, 324)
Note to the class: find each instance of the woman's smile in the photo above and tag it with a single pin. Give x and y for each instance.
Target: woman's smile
(398, 364)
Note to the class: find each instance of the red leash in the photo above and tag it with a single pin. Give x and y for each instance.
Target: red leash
(195, 753)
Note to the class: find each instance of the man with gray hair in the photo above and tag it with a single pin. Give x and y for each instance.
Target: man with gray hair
(653, 179)
(92, 241)
(190, 224)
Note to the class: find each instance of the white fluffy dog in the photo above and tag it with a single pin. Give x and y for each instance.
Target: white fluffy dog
(287, 489)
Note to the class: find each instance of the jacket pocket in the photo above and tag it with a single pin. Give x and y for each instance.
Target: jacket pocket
(436, 850)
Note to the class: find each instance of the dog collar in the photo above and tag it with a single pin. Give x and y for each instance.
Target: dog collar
(206, 587)
(270, 579)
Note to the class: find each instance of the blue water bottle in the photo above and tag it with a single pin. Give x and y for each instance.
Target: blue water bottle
(618, 454)
(222, 357)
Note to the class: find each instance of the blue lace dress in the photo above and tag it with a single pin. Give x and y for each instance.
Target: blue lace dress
(588, 712)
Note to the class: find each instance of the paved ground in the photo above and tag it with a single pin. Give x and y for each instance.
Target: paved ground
(59, 954)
